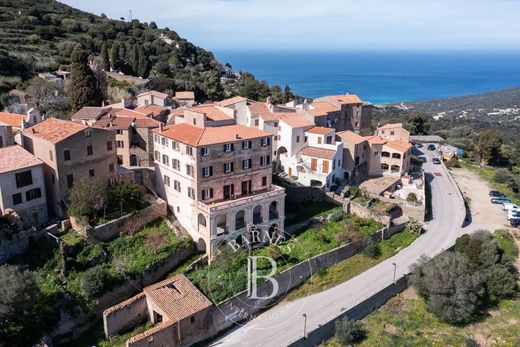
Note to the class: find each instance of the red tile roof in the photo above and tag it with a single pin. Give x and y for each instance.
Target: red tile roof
(261, 110)
(347, 99)
(320, 130)
(12, 119)
(146, 123)
(391, 126)
(154, 93)
(211, 111)
(322, 108)
(195, 136)
(154, 110)
(54, 130)
(399, 146)
(16, 158)
(177, 297)
(351, 137)
(297, 121)
(126, 112)
(231, 101)
(377, 140)
(317, 152)
(185, 95)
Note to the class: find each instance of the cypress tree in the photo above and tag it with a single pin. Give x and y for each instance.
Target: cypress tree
(114, 55)
(83, 87)
(105, 61)
(135, 60)
(144, 64)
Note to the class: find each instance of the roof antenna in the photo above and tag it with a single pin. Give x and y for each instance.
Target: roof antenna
(130, 15)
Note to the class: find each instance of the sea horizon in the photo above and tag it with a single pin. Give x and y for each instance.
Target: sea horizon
(381, 76)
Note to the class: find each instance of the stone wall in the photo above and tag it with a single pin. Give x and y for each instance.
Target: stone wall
(20, 242)
(71, 328)
(360, 210)
(125, 315)
(127, 223)
(326, 331)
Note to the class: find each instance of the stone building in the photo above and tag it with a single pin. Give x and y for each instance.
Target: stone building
(152, 97)
(70, 150)
(6, 135)
(181, 314)
(394, 132)
(185, 98)
(217, 177)
(22, 186)
(356, 156)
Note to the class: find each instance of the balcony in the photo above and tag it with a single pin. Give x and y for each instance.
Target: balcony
(241, 200)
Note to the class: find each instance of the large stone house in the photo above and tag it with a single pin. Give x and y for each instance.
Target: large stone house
(217, 177)
(22, 186)
(152, 97)
(185, 98)
(6, 135)
(70, 150)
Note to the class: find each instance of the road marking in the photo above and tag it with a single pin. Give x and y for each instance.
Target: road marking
(438, 174)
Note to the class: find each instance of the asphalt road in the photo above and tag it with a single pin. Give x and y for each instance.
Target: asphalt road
(284, 323)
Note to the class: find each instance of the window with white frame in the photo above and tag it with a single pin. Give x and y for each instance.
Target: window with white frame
(175, 145)
(176, 164)
(207, 171)
(228, 147)
(189, 150)
(246, 144)
(157, 138)
(191, 193)
(177, 185)
(207, 193)
(189, 170)
(166, 180)
(265, 141)
(165, 160)
(204, 151)
(228, 167)
(264, 160)
(246, 164)
(157, 156)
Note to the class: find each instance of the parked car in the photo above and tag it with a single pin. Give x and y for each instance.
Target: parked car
(436, 161)
(431, 147)
(419, 145)
(509, 206)
(500, 200)
(515, 222)
(512, 215)
(495, 193)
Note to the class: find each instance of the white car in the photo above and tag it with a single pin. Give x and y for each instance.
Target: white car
(508, 206)
(513, 214)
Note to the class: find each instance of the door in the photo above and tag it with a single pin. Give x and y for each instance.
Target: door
(314, 164)
(325, 166)
(290, 172)
(246, 187)
(133, 160)
(229, 191)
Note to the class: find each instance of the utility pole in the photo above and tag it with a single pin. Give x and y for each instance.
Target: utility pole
(395, 269)
(305, 326)
(130, 15)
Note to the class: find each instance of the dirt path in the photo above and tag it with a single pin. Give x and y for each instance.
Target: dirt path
(482, 210)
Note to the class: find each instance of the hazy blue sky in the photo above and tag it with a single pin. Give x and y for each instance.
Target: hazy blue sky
(328, 24)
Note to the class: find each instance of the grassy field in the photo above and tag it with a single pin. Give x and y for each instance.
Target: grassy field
(351, 267)
(96, 337)
(405, 321)
(487, 173)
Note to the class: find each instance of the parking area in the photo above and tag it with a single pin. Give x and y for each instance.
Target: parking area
(482, 210)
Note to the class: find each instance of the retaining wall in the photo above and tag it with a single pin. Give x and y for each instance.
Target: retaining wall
(125, 315)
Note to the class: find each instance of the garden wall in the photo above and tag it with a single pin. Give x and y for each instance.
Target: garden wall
(71, 328)
(125, 315)
(360, 210)
(127, 223)
(20, 241)
(307, 194)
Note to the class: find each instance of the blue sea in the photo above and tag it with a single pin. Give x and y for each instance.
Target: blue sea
(381, 77)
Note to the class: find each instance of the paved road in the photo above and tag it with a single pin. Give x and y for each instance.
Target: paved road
(283, 324)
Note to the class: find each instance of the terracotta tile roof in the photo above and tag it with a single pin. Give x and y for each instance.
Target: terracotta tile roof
(374, 139)
(260, 109)
(12, 119)
(211, 111)
(154, 110)
(16, 158)
(179, 111)
(185, 95)
(399, 146)
(322, 108)
(351, 137)
(114, 123)
(391, 126)
(317, 152)
(54, 130)
(320, 130)
(195, 136)
(347, 99)
(231, 101)
(91, 113)
(154, 93)
(177, 297)
(297, 121)
(146, 123)
(122, 304)
(156, 328)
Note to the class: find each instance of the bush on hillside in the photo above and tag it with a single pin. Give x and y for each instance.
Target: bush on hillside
(411, 197)
(94, 282)
(370, 247)
(348, 332)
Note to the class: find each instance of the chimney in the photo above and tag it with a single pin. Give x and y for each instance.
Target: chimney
(33, 131)
(103, 103)
(161, 127)
(123, 102)
(236, 136)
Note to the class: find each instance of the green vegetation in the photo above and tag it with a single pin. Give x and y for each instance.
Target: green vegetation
(296, 212)
(89, 269)
(228, 271)
(353, 266)
(407, 319)
(84, 82)
(96, 337)
(348, 332)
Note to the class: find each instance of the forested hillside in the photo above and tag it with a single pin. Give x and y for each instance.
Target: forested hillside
(39, 36)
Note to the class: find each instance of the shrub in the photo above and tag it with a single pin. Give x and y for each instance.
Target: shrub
(414, 226)
(502, 176)
(87, 197)
(337, 215)
(500, 282)
(453, 162)
(94, 282)
(449, 285)
(412, 197)
(343, 237)
(349, 331)
(127, 196)
(370, 248)
(274, 252)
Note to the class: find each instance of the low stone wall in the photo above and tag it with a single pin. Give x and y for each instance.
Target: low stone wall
(128, 223)
(326, 331)
(305, 194)
(71, 328)
(125, 315)
(20, 242)
(360, 210)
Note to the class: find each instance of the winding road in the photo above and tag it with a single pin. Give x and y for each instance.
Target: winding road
(283, 324)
